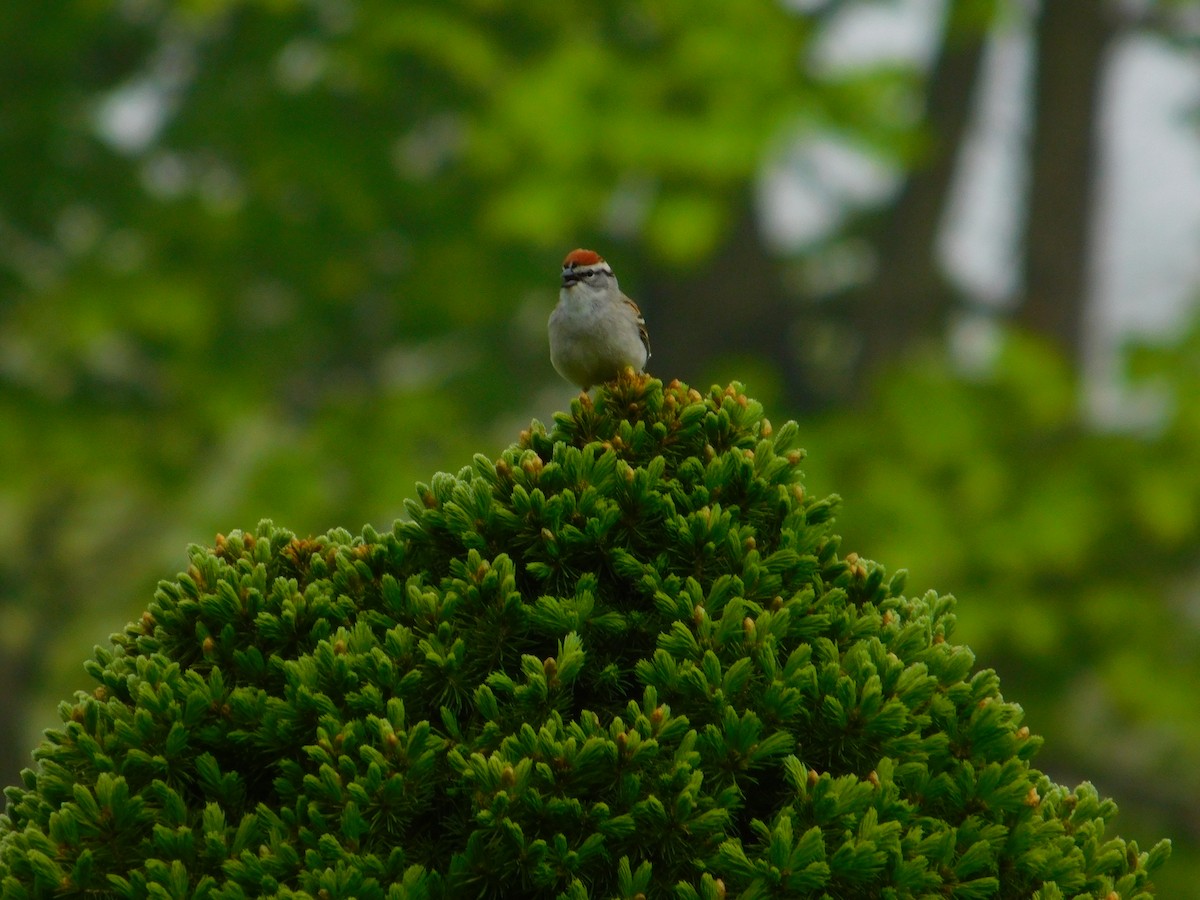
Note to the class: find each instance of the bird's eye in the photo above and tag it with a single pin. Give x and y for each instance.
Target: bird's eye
(588, 274)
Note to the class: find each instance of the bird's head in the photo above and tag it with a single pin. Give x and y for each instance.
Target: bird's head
(587, 269)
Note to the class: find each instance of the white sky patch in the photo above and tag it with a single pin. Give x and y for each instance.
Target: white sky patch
(807, 190)
(866, 35)
(979, 243)
(131, 117)
(805, 195)
(1147, 271)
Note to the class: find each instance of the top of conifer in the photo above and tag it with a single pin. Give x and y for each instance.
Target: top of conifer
(624, 659)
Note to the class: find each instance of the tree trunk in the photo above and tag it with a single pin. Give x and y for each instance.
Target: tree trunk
(36, 582)
(1072, 40)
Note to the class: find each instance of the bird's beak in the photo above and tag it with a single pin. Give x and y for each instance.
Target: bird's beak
(569, 277)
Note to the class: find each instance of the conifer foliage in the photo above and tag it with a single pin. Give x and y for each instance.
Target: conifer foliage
(626, 659)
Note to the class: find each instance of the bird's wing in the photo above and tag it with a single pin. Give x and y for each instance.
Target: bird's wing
(641, 324)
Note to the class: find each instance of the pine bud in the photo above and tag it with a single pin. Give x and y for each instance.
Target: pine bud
(1033, 798)
(858, 569)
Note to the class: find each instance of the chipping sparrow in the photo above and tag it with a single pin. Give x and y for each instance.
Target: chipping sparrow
(595, 330)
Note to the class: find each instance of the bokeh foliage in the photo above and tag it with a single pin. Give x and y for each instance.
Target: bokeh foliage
(241, 237)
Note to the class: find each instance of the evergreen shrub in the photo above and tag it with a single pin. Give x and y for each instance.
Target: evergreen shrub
(626, 659)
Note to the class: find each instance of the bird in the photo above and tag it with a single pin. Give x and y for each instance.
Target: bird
(595, 330)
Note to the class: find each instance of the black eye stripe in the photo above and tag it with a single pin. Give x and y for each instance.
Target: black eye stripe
(576, 274)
